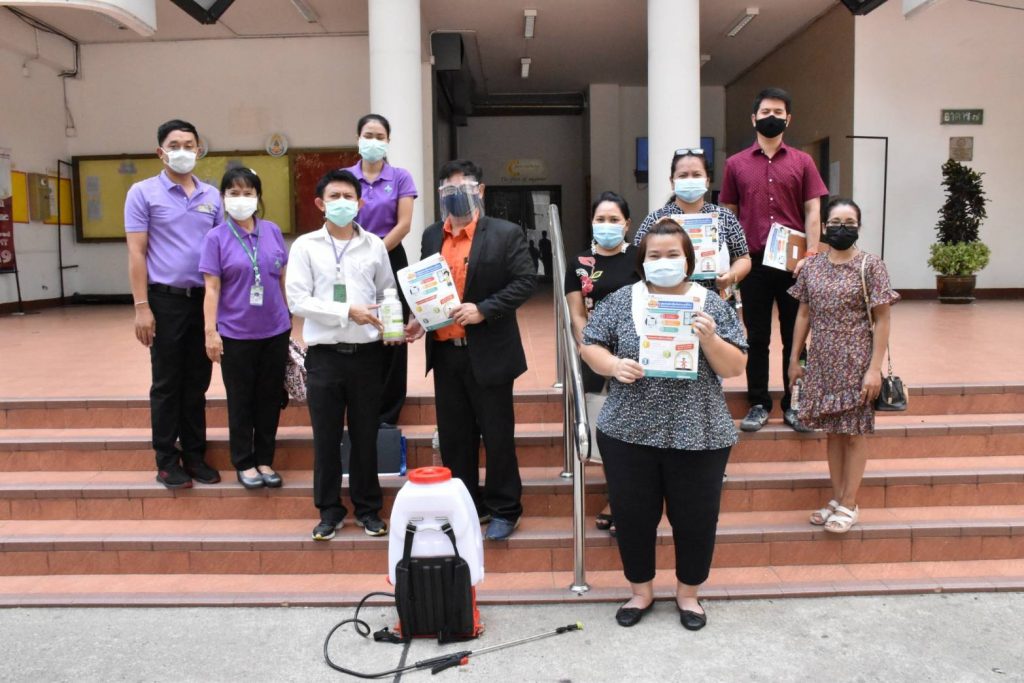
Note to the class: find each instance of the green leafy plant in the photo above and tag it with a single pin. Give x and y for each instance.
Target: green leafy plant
(958, 250)
(962, 258)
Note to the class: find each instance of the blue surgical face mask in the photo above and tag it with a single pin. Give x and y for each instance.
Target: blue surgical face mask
(608, 235)
(690, 189)
(341, 211)
(372, 149)
(665, 272)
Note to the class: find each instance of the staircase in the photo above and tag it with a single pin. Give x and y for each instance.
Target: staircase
(82, 521)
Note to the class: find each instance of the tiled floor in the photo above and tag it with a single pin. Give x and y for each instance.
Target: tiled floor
(90, 351)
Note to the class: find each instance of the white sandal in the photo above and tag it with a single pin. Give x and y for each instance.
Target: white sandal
(820, 517)
(842, 519)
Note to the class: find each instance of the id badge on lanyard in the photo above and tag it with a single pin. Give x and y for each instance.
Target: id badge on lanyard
(256, 291)
(340, 291)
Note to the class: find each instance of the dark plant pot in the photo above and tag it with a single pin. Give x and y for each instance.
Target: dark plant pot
(955, 289)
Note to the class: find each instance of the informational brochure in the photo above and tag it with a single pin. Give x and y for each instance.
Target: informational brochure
(668, 344)
(429, 288)
(785, 247)
(702, 229)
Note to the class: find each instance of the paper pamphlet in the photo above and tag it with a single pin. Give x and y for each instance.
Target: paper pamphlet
(785, 247)
(703, 231)
(668, 345)
(430, 290)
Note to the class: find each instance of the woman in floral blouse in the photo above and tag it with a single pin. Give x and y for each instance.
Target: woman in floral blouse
(609, 263)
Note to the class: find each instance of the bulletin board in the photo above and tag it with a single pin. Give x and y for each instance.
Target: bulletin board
(101, 184)
(19, 197)
(308, 167)
(67, 216)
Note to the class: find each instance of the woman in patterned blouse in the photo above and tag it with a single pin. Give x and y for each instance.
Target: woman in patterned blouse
(665, 442)
(591, 275)
(691, 180)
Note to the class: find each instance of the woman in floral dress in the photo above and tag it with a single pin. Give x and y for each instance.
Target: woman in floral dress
(843, 374)
(591, 275)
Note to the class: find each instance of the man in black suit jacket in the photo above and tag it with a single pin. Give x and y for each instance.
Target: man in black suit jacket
(476, 360)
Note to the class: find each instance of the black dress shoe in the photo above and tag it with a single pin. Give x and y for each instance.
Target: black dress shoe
(272, 480)
(201, 472)
(692, 621)
(250, 482)
(631, 616)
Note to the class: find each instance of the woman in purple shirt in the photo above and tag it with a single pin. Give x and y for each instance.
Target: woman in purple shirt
(247, 323)
(388, 193)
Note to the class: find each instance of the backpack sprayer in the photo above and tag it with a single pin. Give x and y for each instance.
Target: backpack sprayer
(435, 595)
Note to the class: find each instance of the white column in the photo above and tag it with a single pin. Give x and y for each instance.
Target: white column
(396, 93)
(673, 87)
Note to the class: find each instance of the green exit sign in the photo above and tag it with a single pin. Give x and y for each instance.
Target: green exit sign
(968, 117)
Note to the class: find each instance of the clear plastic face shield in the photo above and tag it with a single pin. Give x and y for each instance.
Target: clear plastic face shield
(460, 200)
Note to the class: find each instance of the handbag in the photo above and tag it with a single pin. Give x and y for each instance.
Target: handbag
(295, 372)
(893, 395)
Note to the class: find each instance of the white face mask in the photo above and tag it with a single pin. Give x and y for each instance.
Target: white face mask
(240, 208)
(372, 149)
(180, 160)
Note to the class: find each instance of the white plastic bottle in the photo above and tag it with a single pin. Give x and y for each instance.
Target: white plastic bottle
(391, 316)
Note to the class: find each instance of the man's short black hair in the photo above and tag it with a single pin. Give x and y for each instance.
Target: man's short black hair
(773, 94)
(339, 175)
(175, 124)
(463, 166)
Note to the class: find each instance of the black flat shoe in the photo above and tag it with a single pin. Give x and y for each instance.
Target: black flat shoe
(250, 482)
(631, 616)
(271, 480)
(692, 621)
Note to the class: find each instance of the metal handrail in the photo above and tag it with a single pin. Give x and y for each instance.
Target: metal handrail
(575, 428)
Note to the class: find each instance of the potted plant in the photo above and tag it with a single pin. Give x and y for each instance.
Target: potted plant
(959, 254)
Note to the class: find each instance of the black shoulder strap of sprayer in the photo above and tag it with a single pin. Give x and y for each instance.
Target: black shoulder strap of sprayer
(410, 531)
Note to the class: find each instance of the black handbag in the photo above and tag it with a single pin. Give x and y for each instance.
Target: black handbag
(893, 396)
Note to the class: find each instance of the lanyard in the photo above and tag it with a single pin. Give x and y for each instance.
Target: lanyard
(253, 254)
(339, 256)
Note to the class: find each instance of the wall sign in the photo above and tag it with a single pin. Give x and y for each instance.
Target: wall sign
(962, 117)
(961, 149)
(524, 170)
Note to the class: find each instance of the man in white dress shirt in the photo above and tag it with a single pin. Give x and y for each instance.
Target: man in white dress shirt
(336, 279)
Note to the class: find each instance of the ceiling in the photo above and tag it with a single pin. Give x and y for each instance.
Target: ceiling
(577, 42)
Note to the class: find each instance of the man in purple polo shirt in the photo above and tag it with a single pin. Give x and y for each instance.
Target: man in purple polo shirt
(165, 219)
(770, 182)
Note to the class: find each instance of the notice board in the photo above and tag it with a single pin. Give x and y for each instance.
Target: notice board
(101, 184)
(308, 167)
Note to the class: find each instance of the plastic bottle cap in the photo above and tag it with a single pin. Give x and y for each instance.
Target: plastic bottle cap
(430, 475)
(390, 292)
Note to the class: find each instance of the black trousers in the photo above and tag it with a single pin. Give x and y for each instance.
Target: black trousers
(253, 372)
(761, 289)
(181, 376)
(465, 411)
(396, 358)
(688, 484)
(340, 386)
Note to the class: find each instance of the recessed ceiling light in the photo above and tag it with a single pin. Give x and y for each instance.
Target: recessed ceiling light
(525, 67)
(744, 19)
(529, 22)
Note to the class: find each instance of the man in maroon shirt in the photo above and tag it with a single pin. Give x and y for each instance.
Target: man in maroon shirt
(771, 182)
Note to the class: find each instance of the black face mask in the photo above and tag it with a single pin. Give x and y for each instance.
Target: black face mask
(458, 205)
(770, 126)
(840, 237)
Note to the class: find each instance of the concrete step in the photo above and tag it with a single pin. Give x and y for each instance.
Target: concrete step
(498, 588)
(751, 487)
(532, 405)
(283, 546)
(538, 444)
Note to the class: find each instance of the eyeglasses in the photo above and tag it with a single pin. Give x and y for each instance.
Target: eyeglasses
(684, 151)
(842, 224)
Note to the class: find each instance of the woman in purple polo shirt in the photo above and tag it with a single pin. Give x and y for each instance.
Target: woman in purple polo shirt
(247, 323)
(388, 193)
